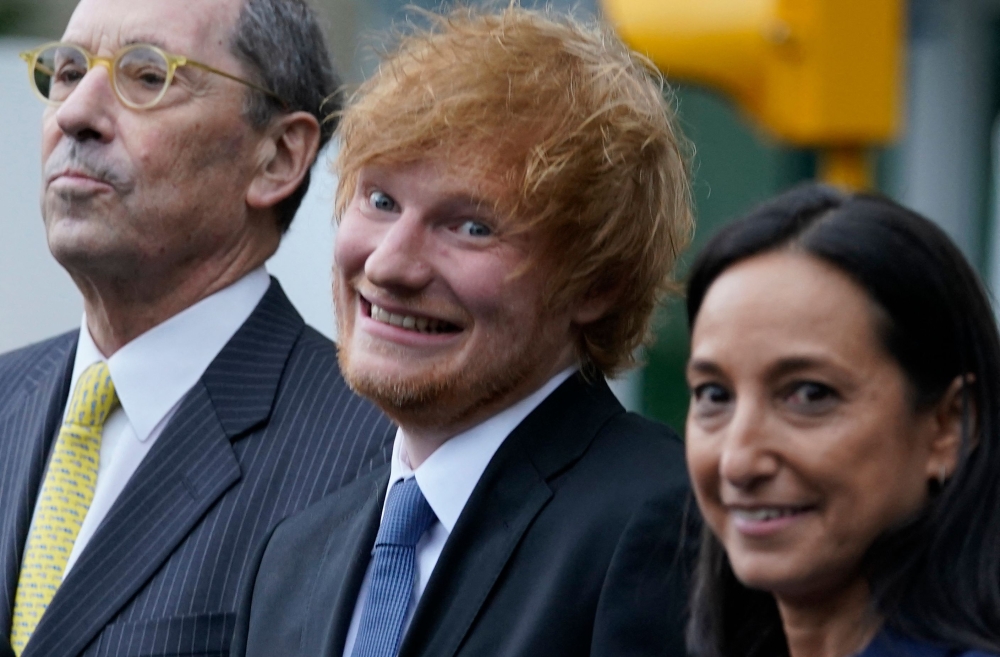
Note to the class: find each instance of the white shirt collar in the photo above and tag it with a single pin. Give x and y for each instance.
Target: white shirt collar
(449, 475)
(155, 370)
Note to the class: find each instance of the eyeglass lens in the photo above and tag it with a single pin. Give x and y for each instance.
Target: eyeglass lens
(140, 73)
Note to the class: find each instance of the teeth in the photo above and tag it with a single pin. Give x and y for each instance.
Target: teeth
(761, 515)
(421, 324)
(379, 315)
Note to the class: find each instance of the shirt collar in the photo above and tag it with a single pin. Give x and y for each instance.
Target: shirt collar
(155, 370)
(449, 475)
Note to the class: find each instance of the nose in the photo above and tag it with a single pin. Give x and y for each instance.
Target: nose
(748, 456)
(400, 260)
(86, 114)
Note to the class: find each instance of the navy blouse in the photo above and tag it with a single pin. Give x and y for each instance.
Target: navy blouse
(891, 644)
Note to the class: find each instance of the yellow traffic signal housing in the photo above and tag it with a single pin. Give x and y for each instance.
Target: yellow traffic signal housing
(815, 73)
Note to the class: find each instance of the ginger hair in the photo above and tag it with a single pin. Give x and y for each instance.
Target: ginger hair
(579, 131)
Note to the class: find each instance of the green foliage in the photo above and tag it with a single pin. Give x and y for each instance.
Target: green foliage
(13, 13)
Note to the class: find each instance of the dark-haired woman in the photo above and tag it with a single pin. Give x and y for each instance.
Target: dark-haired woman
(843, 436)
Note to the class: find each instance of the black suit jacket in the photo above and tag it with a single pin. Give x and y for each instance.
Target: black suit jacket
(269, 429)
(575, 541)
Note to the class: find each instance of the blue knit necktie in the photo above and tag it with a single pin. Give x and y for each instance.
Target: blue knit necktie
(407, 516)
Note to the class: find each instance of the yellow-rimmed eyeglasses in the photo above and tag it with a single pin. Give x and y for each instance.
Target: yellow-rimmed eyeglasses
(140, 73)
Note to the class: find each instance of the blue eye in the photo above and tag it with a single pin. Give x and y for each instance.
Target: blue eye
(475, 229)
(381, 201)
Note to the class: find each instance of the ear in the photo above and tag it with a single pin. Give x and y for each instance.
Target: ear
(286, 153)
(593, 307)
(947, 441)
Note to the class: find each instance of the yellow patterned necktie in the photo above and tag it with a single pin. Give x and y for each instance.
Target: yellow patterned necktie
(66, 495)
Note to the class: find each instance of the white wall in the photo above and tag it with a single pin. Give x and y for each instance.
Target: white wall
(304, 261)
(37, 298)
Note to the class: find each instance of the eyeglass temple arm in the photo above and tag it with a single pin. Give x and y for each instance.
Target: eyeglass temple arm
(27, 56)
(206, 67)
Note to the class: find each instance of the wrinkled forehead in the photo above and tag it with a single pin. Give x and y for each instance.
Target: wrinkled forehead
(195, 28)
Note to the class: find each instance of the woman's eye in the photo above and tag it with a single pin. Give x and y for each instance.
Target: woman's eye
(381, 201)
(811, 396)
(709, 398)
(475, 229)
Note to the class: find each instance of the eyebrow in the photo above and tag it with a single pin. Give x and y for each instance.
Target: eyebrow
(146, 40)
(794, 364)
(783, 367)
(462, 202)
(704, 367)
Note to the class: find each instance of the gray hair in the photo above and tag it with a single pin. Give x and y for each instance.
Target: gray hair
(282, 46)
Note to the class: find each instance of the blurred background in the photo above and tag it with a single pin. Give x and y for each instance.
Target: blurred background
(942, 156)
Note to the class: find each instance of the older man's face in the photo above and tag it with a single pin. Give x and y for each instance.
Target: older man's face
(129, 194)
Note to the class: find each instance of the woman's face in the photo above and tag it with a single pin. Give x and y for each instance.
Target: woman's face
(802, 440)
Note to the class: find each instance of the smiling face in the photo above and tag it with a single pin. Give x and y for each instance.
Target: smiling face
(434, 325)
(802, 439)
(131, 195)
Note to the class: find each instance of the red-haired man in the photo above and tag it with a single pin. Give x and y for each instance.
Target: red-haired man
(512, 200)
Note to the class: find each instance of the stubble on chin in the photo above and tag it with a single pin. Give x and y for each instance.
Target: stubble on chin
(445, 394)
(403, 399)
(441, 396)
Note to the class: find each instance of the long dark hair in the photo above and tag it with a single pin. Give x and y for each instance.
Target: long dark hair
(938, 577)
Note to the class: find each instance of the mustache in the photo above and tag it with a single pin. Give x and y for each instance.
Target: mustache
(87, 163)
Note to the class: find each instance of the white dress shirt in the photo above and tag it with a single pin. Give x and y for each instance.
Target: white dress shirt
(151, 374)
(446, 480)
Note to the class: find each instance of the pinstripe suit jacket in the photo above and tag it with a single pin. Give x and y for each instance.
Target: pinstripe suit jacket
(270, 428)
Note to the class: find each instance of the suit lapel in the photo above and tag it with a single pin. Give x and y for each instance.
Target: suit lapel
(472, 560)
(191, 465)
(5, 649)
(508, 497)
(28, 422)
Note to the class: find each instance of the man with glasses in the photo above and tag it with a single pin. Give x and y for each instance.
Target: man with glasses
(143, 456)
